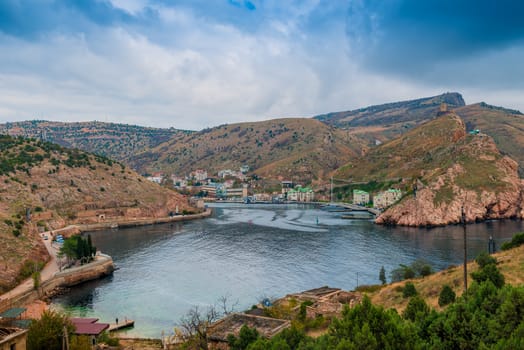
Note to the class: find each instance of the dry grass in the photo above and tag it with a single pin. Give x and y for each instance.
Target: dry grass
(510, 263)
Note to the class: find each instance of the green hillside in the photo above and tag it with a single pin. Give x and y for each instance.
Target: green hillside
(115, 141)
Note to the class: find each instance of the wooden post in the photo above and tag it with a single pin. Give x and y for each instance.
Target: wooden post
(465, 253)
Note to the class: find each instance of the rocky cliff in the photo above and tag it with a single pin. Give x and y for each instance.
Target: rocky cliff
(442, 168)
(479, 179)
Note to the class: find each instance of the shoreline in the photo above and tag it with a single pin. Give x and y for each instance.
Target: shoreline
(51, 276)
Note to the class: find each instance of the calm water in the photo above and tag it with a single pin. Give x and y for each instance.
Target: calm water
(247, 252)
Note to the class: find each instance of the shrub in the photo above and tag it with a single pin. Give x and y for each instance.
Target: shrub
(484, 259)
(409, 290)
(447, 296)
(517, 240)
(491, 273)
(416, 310)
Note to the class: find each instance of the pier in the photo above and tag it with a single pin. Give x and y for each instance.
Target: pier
(121, 325)
(355, 207)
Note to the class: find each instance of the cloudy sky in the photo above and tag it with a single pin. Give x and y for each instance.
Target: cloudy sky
(192, 64)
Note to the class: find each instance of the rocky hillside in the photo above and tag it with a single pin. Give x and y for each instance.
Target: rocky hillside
(44, 186)
(449, 169)
(505, 126)
(115, 141)
(294, 149)
(387, 121)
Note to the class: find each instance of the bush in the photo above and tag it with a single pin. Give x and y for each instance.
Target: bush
(491, 273)
(416, 310)
(447, 296)
(484, 259)
(516, 241)
(409, 290)
(47, 333)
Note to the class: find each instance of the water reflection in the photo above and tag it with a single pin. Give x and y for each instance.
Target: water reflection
(250, 251)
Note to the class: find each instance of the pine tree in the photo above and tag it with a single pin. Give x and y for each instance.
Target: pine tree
(382, 275)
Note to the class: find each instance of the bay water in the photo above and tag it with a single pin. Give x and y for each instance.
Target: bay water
(250, 252)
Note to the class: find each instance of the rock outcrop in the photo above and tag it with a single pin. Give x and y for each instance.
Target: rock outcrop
(481, 180)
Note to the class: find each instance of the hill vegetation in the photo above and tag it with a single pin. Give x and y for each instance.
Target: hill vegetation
(44, 186)
(293, 149)
(441, 168)
(387, 121)
(406, 315)
(505, 126)
(115, 141)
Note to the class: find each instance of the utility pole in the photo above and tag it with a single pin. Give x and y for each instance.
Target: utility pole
(331, 198)
(463, 219)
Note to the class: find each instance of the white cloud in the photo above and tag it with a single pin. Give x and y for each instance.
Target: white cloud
(191, 72)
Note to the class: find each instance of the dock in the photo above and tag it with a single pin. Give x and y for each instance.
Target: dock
(121, 325)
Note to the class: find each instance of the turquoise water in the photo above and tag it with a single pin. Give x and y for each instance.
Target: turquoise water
(247, 252)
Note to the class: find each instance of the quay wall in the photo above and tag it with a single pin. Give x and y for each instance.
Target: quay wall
(102, 266)
(140, 222)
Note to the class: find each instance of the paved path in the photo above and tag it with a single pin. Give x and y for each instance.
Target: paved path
(47, 273)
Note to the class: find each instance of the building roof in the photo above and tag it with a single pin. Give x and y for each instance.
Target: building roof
(76, 320)
(359, 192)
(266, 326)
(8, 333)
(88, 326)
(13, 313)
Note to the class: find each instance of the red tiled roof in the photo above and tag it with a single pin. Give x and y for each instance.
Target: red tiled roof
(76, 320)
(90, 328)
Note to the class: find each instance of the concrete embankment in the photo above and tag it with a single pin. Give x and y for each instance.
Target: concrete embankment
(139, 222)
(102, 266)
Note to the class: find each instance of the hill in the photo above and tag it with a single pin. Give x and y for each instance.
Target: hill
(449, 168)
(45, 186)
(510, 263)
(387, 121)
(115, 141)
(505, 126)
(293, 149)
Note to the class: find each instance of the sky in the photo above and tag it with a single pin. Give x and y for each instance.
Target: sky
(193, 64)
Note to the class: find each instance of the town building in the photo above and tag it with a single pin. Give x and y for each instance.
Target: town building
(301, 194)
(199, 175)
(386, 198)
(287, 186)
(88, 327)
(156, 177)
(13, 338)
(360, 197)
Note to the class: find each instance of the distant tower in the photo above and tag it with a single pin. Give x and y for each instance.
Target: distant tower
(443, 109)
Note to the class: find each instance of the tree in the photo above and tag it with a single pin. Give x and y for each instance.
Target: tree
(417, 309)
(409, 290)
(245, 337)
(447, 296)
(491, 273)
(382, 275)
(517, 240)
(195, 322)
(47, 333)
(484, 259)
(36, 279)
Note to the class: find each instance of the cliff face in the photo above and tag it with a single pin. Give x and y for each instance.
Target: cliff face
(442, 168)
(480, 179)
